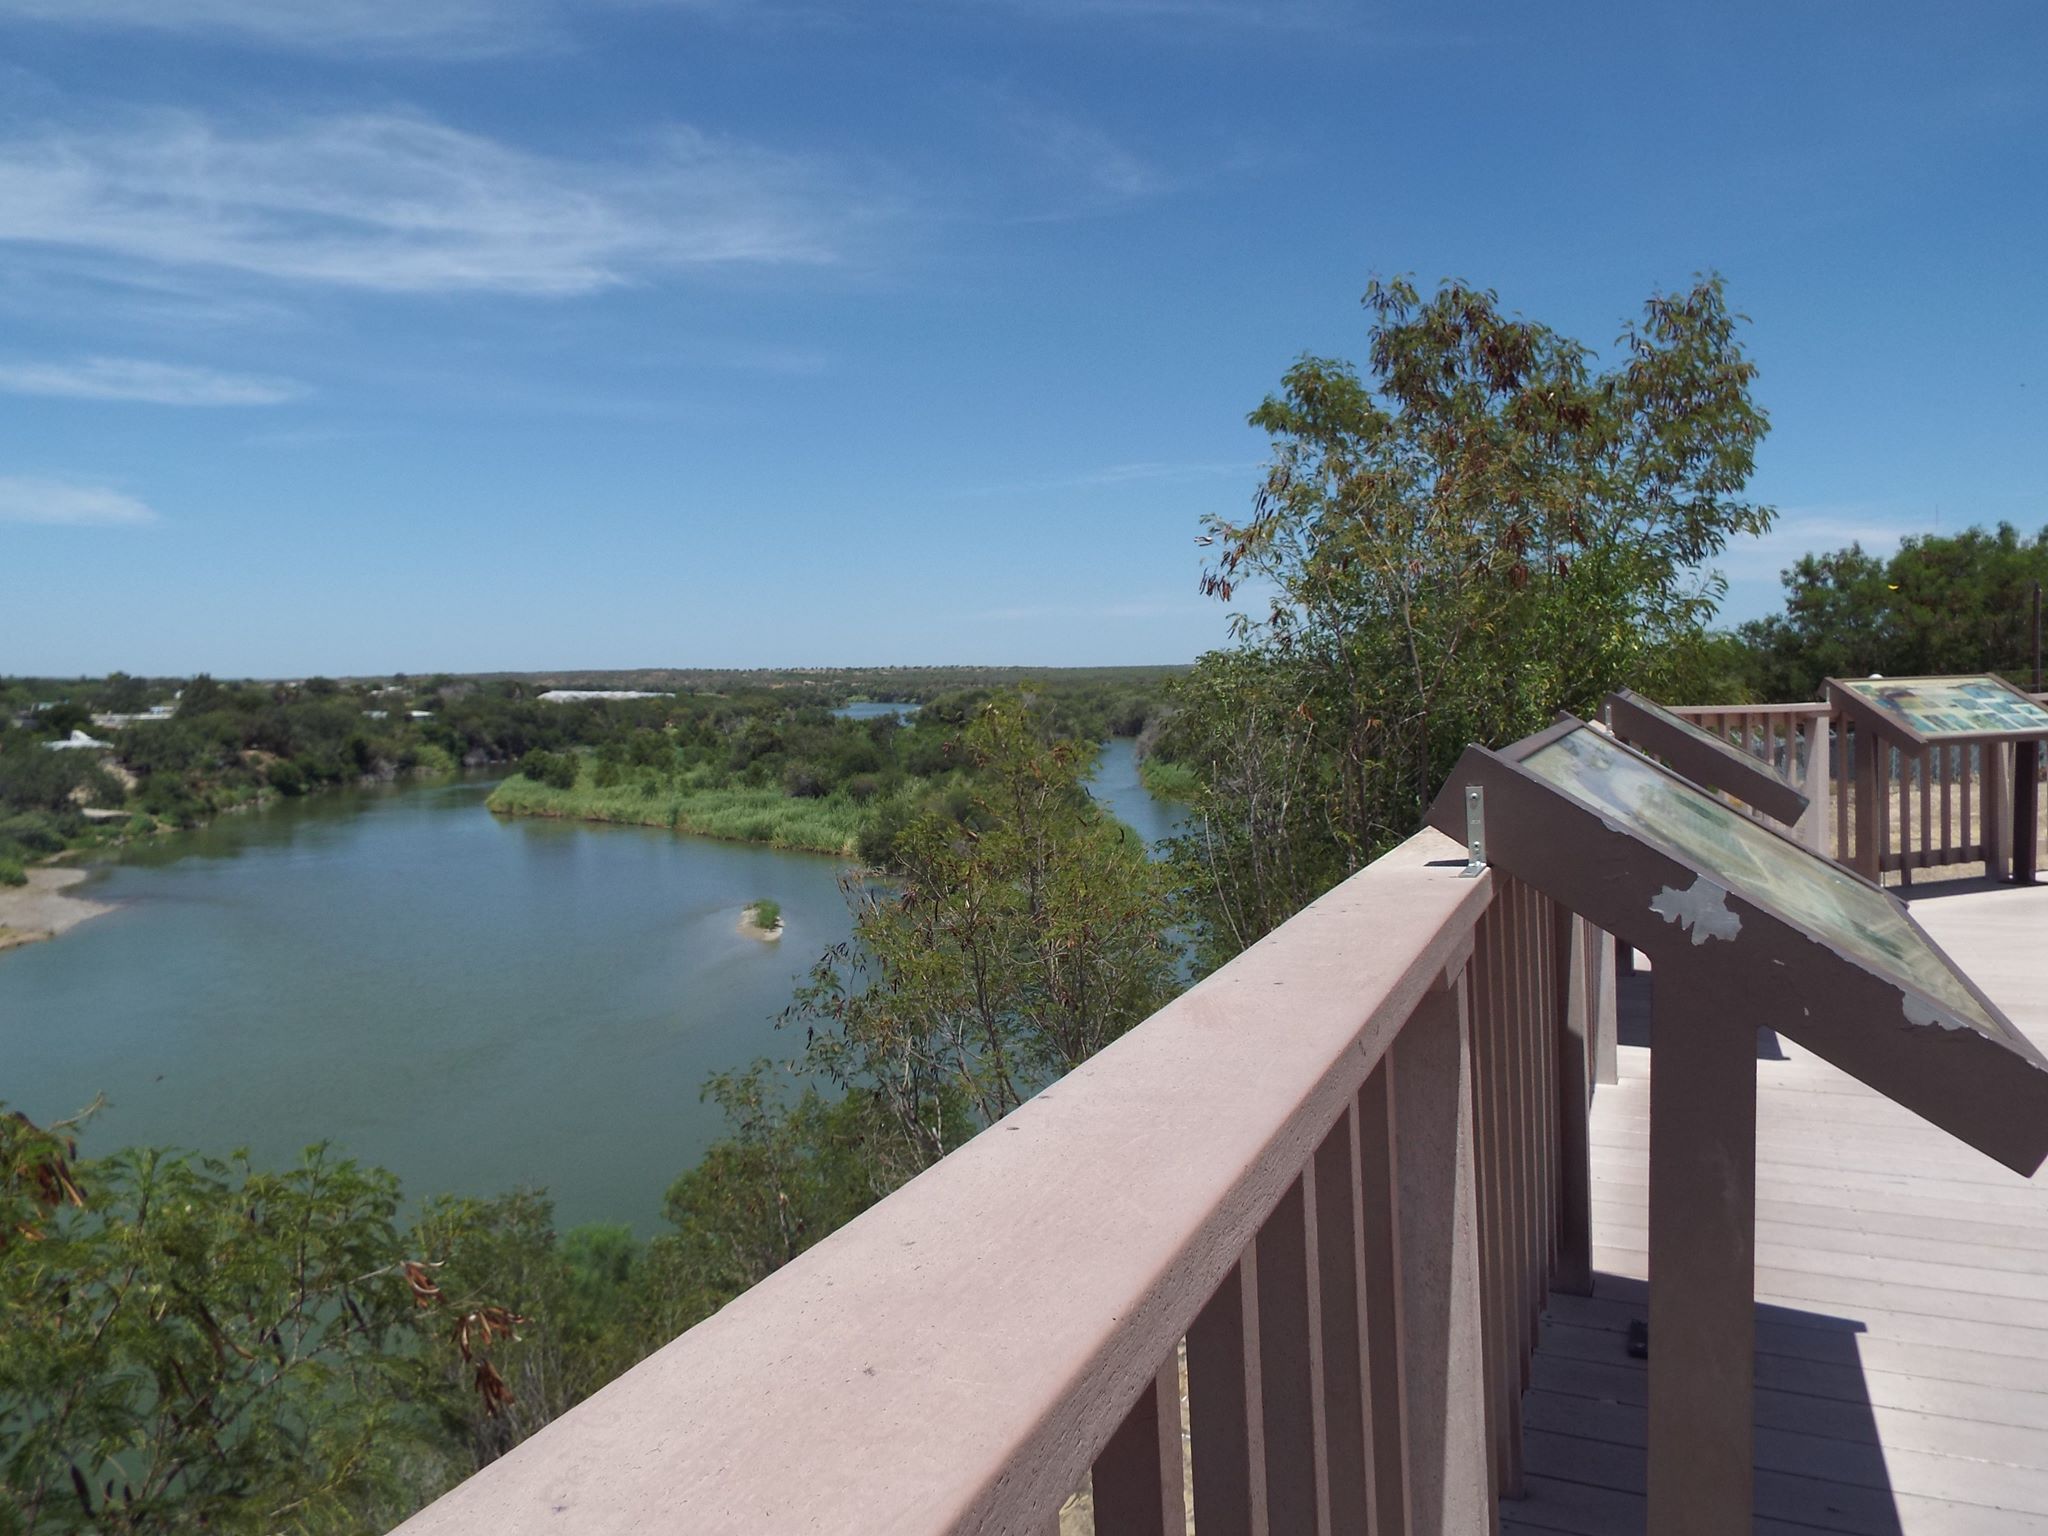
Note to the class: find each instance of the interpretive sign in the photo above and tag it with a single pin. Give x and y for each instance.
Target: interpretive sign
(1919, 711)
(1796, 942)
(1702, 756)
(1745, 928)
(1921, 716)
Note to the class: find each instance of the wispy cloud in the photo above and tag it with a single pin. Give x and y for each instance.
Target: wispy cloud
(1817, 530)
(1112, 475)
(66, 504)
(465, 26)
(483, 27)
(400, 203)
(128, 378)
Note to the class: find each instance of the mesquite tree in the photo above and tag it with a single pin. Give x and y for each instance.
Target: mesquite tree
(1484, 528)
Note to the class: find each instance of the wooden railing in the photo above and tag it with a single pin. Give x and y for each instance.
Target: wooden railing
(1338, 1179)
(1944, 806)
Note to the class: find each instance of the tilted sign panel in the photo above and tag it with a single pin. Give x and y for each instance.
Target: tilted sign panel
(1764, 869)
(1937, 707)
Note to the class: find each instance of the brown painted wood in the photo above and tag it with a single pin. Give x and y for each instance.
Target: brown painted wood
(1286, 1371)
(1871, 810)
(1991, 1093)
(1574, 1273)
(1702, 1241)
(1440, 1350)
(1707, 758)
(1138, 1477)
(1925, 768)
(1346, 1431)
(1379, 1184)
(1948, 840)
(1997, 811)
(1226, 1435)
(1845, 848)
(1503, 1426)
(1606, 1021)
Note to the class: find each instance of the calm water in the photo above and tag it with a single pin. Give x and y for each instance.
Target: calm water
(1118, 789)
(472, 1002)
(874, 709)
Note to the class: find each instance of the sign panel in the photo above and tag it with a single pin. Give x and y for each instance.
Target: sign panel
(1702, 756)
(1938, 709)
(1764, 869)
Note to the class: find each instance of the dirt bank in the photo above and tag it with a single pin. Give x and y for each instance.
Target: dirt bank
(42, 909)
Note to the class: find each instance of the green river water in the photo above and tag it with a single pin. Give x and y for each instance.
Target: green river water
(475, 1003)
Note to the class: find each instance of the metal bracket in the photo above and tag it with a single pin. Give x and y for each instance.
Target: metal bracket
(1475, 832)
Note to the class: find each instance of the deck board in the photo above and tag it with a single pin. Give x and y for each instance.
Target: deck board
(1902, 1288)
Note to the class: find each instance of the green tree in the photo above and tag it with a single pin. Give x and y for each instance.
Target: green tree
(1942, 603)
(1485, 528)
(192, 1343)
(1009, 946)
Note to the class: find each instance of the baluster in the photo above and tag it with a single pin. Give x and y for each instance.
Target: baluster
(1482, 980)
(1138, 1476)
(1227, 1436)
(1339, 1249)
(1449, 1492)
(1287, 1370)
(1380, 1187)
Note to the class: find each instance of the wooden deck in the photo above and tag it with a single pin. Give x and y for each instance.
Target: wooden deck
(1902, 1293)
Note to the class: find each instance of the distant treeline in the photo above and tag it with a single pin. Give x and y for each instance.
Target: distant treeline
(755, 759)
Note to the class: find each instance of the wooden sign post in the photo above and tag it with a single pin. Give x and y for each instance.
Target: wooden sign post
(1745, 929)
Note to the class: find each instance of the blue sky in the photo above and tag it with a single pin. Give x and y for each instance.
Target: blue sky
(355, 336)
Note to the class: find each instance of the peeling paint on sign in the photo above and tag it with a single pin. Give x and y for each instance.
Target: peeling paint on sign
(1924, 1013)
(1703, 910)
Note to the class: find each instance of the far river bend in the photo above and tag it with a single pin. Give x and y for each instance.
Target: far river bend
(474, 1003)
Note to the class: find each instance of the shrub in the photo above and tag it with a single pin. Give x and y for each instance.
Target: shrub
(286, 777)
(11, 871)
(557, 770)
(805, 781)
(766, 914)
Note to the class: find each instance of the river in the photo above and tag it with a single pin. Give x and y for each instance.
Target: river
(475, 1003)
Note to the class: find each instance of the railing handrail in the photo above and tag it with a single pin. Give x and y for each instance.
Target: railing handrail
(956, 1358)
(1692, 710)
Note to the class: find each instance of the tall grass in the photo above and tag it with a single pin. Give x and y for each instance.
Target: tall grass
(831, 825)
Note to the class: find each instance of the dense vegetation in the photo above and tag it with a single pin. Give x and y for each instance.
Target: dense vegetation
(763, 759)
(194, 1343)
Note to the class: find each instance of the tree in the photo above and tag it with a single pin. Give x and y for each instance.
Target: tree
(1011, 944)
(1942, 603)
(1483, 530)
(192, 1343)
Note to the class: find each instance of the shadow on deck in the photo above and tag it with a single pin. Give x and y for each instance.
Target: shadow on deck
(1902, 1319)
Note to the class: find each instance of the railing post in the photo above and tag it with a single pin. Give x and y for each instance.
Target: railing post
(1813, 826)
(1702, 1257)
(1574, 1101)
(1441, 1367)
(1605, 1027)
(1997, 810)
(1873, 807)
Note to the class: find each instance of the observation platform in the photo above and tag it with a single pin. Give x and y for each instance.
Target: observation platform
(1901, 1282)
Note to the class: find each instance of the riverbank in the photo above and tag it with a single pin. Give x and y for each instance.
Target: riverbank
(42, 908)
(828, 825)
